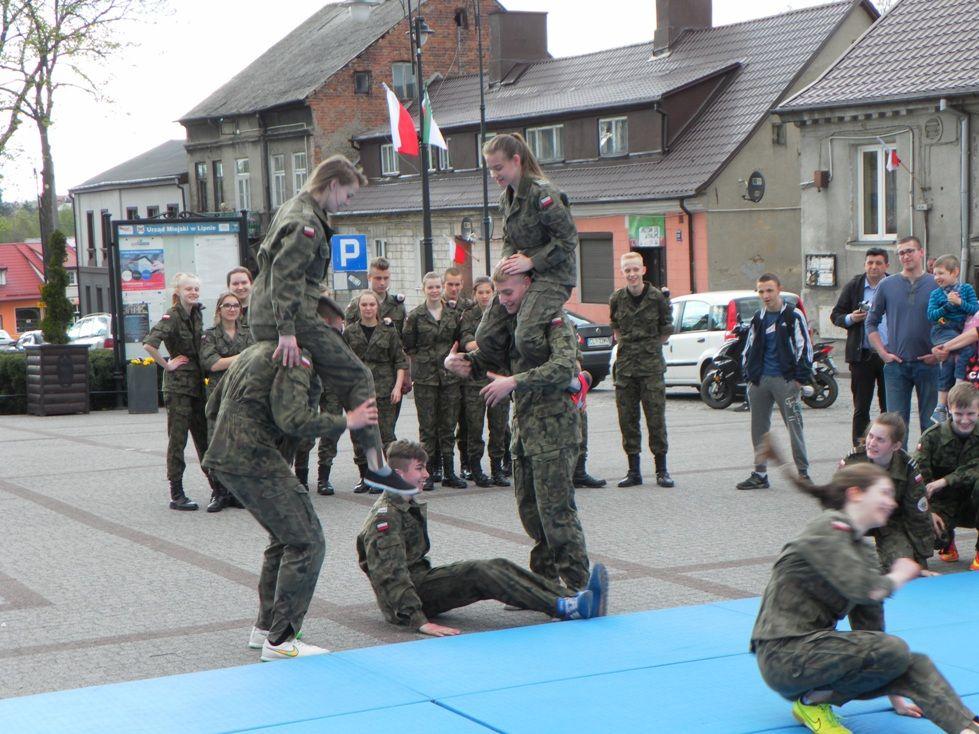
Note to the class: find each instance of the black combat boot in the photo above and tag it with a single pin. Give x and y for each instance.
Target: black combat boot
(582, 478)
(507, 463)
(449, 477)
(663, 477)
(323, 484)
(476, 473)
(361, 487)
(465, 466)
(178, 500)
(429, 484)
(496, 473)
(632, 478)
(436, 470)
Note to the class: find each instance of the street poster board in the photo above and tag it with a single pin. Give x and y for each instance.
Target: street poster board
(646, 231)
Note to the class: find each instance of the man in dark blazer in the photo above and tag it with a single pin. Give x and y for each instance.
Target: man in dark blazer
(850, 313)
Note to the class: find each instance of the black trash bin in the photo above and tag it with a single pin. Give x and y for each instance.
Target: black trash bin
(141, 388)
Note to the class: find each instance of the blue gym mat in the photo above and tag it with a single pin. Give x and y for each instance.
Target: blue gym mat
(671, 671)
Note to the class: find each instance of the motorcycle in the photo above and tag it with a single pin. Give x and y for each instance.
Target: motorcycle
(725, 381)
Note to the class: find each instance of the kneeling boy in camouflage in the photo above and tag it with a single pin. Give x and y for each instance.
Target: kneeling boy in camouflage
(392, 548)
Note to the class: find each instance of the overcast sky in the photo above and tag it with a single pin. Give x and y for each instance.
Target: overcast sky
(197, 46)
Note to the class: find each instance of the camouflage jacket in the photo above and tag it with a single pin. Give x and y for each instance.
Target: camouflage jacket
(428, 342)
(392, 307)
(215, 344)
(292, 265)
(942, 453)
(391, 550)
(538, 224)
(825, 574)
(544, 418)
(640, 331)
(911, 516)
(383, 354)
(259, 403)
(181, 333)
(467, 333)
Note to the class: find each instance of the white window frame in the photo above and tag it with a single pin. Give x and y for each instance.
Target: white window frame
(614, 130)
(406, 88)
(243, 189)
(534, 136)
(3, 276)
(380, 248)
(881, 184)
(390, 165)
(443, 163)
(299, 171)
(277, 171)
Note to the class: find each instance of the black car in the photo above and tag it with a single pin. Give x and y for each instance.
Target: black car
(596, 342)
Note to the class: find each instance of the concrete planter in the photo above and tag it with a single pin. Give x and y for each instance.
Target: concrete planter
(57, 379)
(141, 388)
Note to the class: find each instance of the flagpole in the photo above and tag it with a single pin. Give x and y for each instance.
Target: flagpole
(414, 24)
(482, 137)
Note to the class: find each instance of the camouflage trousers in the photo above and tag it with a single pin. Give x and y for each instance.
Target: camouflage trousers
(647, 394)
(545, 502)
(294, 555)
(185, 414)
(387, 414)
(893, 543)
(583, 446)
(542, 303)
(460, 584)
(462, 432)
(438, 413)
(957, 507)
(496, 418)
(329, 403)
(860, 665)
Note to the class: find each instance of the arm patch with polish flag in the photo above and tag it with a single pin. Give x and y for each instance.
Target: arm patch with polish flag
(166, 317)
(382, 527)
(309, 232)
(842, 526)
(559, 321)
(546, 201)
(305, 362)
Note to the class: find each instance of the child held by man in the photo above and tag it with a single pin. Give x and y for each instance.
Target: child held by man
(949, 305)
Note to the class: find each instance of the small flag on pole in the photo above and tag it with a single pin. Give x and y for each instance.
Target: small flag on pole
(433, 134)
(457, 251)
(892, 163)
(403, 133)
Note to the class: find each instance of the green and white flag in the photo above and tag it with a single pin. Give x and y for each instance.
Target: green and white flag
(433, 136)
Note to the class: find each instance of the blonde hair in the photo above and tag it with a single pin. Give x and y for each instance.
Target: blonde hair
(630, 256)
(962, 395)
(178, 280)
(336, 167)
(511, 144)
(217, 307)
(432, 275)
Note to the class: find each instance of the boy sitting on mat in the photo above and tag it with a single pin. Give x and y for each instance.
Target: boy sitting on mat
(392, 548)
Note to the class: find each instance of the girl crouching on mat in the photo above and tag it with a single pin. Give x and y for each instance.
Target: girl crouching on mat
(826, 572)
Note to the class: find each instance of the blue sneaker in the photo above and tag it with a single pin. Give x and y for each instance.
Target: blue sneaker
(579, 606)
(598, 586)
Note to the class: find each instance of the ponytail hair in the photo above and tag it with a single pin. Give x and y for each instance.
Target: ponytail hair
(831, 496)
(335, 167)
(511, 144)
(178, 280)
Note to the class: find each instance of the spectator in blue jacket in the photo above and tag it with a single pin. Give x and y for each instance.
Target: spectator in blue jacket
(777, 360)
(949, 305)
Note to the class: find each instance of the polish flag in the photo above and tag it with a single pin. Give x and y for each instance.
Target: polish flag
(892, 163)
(403, 133)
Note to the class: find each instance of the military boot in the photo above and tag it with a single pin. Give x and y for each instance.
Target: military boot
(178, 500)
(361, 486)
(507, 460)
(465, 466)
(497, 477)
(429, 485)
(220, 498)
(663, 477)
(632, 478)
(436, 470)
(476, 469)
(582, 478)
(302, 473)
(323, 484)
(449, 477)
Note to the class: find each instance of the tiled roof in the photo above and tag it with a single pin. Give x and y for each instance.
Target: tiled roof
(301, 62)
(920, 49)
(163, 161)
(23, 279)
(772, 52)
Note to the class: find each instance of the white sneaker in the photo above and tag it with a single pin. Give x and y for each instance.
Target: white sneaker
(257, 638)
(291, 648)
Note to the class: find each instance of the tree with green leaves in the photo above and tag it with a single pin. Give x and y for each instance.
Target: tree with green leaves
(58, 310)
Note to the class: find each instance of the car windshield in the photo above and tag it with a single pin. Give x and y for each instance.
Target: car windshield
(577, 320)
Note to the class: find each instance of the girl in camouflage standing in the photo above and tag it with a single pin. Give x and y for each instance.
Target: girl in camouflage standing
(220, 347)
(825, 573)
(180, 330)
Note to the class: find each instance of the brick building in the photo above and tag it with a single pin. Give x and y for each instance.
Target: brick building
(21, 278)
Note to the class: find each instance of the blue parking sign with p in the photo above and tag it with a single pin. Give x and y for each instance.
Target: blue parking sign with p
(348, 252)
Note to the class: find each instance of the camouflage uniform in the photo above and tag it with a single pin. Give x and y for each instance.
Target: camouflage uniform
(437, 392)
(257, 405)
(537, 223)
(392, 307)
(475, 407)
(384, 356)
(293, 262)
(821, 576)
(183, 389)
(392, 548)
(639, 366)
(464, 306)
(546, 438)
(908, 532)
(942, 453)
(216, 344)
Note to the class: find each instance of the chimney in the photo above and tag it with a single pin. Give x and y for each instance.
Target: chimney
(673, 17)
(515, 38)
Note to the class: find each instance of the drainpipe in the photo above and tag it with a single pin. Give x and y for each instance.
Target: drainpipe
(965, 164)
(693, 270)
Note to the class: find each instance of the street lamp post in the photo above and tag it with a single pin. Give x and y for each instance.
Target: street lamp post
(419, 33)
(487, 232)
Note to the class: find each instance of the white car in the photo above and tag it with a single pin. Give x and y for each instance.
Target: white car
(5, 339)
(702, 322)
(95, 330)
